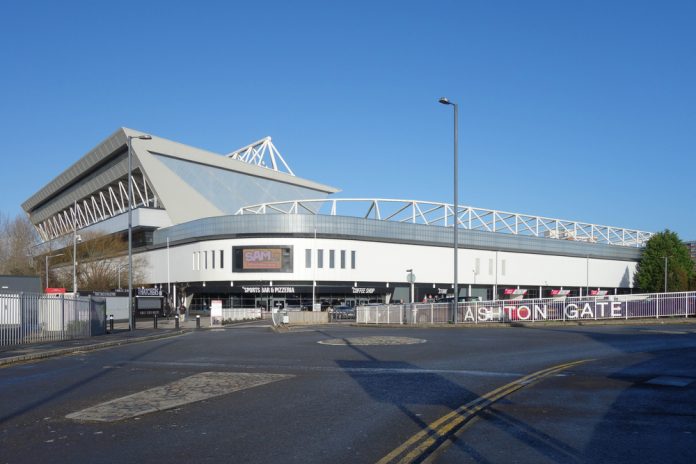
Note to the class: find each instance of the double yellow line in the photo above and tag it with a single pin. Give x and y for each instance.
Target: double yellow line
(432, 437)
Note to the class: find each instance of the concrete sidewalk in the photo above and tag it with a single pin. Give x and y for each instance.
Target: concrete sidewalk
(35, 351)
(121, 335)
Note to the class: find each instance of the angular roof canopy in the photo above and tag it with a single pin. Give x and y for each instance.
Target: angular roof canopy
(186, 182)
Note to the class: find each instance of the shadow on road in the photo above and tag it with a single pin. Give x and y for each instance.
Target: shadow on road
(52, 395)
(410, 391)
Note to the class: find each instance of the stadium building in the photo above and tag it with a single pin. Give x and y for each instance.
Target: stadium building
(242, 227)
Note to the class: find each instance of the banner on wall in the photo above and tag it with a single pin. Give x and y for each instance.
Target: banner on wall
(216, 313)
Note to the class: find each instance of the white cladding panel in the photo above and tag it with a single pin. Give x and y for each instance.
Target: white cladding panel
(387, 262)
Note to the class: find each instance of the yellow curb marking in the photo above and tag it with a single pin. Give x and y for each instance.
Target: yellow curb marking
(418, 445)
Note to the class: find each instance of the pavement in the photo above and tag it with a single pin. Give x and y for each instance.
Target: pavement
(144, 331)
(166, 328)
(301, 396)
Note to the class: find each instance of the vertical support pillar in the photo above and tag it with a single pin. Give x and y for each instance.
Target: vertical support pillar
(62, 316)
(22, 318)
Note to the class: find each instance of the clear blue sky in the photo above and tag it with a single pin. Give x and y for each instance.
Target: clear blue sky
(577, 110)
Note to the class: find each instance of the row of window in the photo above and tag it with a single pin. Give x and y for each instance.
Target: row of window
(332, 258)
(213, 259)
(208, 259)
(216, 259)
(491, 266)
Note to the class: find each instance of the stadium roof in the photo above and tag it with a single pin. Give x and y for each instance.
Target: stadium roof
(185, 182)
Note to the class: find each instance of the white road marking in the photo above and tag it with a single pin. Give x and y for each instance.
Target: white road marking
(378, 340)
(197, 387)
(671, 381)
(336, 369)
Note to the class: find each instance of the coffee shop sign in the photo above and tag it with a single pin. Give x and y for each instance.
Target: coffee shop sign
(363, 290)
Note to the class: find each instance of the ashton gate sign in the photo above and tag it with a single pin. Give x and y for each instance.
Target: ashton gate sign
(550, 309)
(540, 312)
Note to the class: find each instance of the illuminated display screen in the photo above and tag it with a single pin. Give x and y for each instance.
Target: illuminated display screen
(148, 306)
(149, 303)
(262, 259)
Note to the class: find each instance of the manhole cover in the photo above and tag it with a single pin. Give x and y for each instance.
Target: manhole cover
(373, 341)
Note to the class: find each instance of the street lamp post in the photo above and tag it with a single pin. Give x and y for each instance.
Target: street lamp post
(76, 238)
(130, 224)
(445, 101)
(666, 262)
(50, 256)
(411, 277)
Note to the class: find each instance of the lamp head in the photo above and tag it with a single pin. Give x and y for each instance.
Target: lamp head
(444, 101)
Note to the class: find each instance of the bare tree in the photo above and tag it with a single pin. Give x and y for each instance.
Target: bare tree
(101, 263)
(17, 239)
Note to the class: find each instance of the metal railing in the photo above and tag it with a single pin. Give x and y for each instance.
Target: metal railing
(649, 305)
(35, 317)
(467, 217)
(240, 314)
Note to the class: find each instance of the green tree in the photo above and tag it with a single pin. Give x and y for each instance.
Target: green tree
(650, 274)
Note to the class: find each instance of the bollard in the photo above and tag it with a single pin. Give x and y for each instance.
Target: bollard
(154, 321)
(176, 321)
(111, 323)
(198, 322)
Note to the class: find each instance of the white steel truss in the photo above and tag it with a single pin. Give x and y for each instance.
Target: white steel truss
(468, 217)
(99, 206)
(261, 153)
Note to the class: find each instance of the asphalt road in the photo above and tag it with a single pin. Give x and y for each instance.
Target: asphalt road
(285, 397)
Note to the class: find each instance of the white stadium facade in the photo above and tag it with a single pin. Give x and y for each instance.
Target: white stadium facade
(242, 227)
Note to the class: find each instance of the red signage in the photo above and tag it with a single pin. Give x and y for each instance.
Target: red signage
(54, 290)
(515, 291)
(556, 292)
